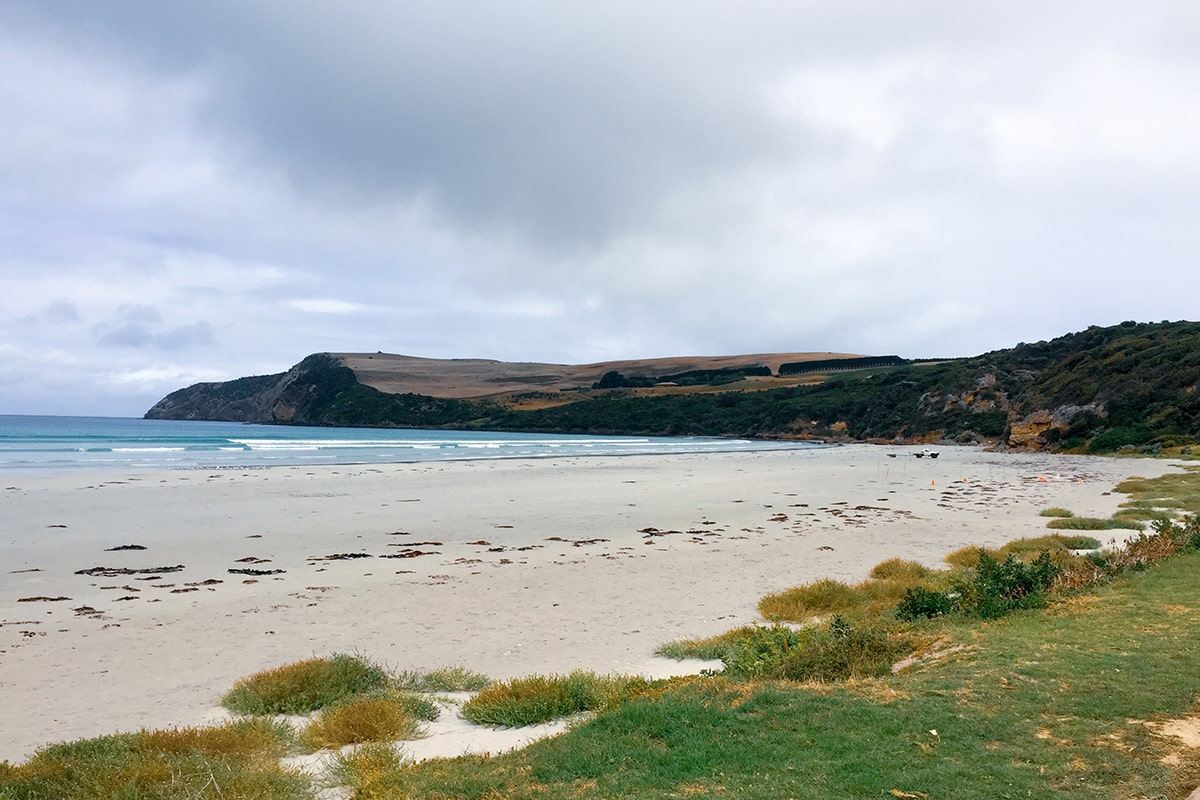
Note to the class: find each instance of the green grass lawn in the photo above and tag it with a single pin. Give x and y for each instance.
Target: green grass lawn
(1045, 704)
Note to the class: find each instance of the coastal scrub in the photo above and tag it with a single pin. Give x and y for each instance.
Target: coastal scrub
(305, 686)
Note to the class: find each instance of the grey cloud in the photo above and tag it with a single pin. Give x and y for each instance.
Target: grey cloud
(146, 336)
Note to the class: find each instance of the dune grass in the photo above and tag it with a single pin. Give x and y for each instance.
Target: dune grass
(1056, 511)
(239, 759)
(379, 717)
(1094, 524)
(305, 686)
(444, 679)
(826, 597)
(541, 698)
(1039, 704)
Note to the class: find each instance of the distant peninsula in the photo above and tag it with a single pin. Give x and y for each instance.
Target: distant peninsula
(1128, 387)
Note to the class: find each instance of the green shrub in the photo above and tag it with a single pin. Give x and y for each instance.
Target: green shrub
(842, 651)
(1001, 587)
(305, 685)
(920, 603)
(761, 653)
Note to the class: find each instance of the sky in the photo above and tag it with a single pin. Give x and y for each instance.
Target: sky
(198, 191)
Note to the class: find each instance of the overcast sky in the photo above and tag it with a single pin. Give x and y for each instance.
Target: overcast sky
(201, 191)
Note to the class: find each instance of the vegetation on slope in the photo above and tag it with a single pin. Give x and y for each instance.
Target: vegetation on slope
(1134, 385)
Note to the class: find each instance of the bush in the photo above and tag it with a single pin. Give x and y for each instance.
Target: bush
(1001, 587)
(841, 652)
(761, 653)
(304, 686)
(919, 603)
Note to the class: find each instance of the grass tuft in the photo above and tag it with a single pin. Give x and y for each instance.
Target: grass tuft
(708, 648)
(902, 570)
(239, 759)
(1055, 511)
(1094, 524)
(383, 717)
(444, 679)
(538, 698)
(368, 770)
(305, 686)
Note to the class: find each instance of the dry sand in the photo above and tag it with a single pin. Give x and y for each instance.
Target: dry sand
(506, 567)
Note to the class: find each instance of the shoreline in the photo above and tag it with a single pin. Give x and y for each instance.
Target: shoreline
(506, 566)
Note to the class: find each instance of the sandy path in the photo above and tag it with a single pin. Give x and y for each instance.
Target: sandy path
(526, 566)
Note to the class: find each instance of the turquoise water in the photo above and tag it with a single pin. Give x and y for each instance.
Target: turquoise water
(40, 444)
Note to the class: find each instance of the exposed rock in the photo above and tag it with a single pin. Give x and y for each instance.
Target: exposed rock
(1027, 432)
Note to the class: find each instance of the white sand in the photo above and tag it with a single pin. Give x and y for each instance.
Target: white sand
(749, 523)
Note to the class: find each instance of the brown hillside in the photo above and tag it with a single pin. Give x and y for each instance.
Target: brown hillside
(473, 377)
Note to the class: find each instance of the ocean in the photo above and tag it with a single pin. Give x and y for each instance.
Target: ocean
(53, 444)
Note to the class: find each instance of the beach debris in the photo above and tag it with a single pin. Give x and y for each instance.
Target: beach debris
(251, 571)
(127, 597)
(185, 589)
(419, 544)
(824, 547)
(41, 599)
(575, 542)
(657, 532)
(88, 611)
(411, 553)
(252, 560)
(209, 582)
(125, 547)
(56, 525)
(20, 571)
(481, 543)
(340, 557)
(112, 572)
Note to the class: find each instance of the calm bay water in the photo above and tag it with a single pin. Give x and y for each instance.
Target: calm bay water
(42, 444)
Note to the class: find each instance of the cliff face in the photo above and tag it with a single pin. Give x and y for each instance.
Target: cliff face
(296, 397)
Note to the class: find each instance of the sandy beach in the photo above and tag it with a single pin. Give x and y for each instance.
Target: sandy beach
(132, 600)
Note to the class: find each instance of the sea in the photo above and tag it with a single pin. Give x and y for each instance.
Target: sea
(55, 444)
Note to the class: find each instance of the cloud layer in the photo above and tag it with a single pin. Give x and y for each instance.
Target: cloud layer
(198, 191)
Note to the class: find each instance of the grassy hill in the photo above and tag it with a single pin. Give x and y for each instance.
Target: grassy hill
(1133, 385)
